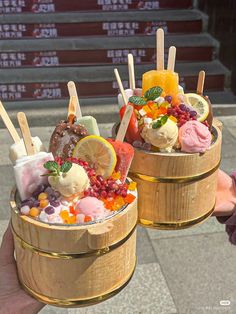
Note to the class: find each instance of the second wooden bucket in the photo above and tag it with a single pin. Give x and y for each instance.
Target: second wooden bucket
(75, 265)
(176, 190)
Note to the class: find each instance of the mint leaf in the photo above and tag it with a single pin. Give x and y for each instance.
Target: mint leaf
(66, 167)
(153, 93)
(160, 122)
(51, 166)
(138, 101)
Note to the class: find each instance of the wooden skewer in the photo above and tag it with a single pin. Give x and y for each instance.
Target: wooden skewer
(131, 71)
(72, 109)
(124, 123)
(160, 49)
(121, 86)
(171, 59)
(9, 125)
(25, 130)
(73, 92)
(201, 82)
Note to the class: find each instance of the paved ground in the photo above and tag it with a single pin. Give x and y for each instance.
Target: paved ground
(188, 271)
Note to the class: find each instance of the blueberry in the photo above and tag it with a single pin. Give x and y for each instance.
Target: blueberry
(193, 113)
(39, 190)
(49, 210)
(28, 202)
(49, 190)
(55, 203)
(51, 197)
(36, 203)
(168, 99)
(57, 194)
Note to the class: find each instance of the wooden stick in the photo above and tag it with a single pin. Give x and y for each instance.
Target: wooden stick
(30, 149)
(131, 71)
(73, 92)
(171, 59)
(121, 86)
(9, 125)
(201, 82)
(72, 109)
(124, 123)
(160, 49)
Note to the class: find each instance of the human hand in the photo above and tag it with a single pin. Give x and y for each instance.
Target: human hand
(226, 195)
(13, 299)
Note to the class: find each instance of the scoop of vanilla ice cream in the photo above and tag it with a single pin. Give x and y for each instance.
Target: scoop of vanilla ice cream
(164, 137)
(75, 181)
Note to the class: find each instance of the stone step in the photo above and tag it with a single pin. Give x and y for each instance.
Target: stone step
(80, 50)
(39, 6)
(50, 83)
(105, 23)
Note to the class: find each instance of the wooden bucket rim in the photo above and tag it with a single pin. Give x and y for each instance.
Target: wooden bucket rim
(58, 226)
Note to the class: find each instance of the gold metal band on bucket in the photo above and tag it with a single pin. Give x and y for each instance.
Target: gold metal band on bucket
(174, 225)
(77, 303)
(186, 179)
(58, 255)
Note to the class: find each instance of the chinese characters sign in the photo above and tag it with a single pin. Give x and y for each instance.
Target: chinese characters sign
(49, 6)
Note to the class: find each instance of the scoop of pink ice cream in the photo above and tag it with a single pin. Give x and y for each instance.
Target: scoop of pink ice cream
(194, 137)
(91, 206)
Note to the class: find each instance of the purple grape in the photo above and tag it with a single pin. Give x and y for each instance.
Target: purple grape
(193, 113)
(147, 146)
(49, 210)
(55, 203)
(137, 144)
(188, 109)
(182, 107)
(168, 99)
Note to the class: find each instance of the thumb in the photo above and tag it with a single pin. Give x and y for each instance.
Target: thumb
(7, 248)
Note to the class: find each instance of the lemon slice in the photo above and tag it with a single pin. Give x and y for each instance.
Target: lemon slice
(98, 152)
(199, 104)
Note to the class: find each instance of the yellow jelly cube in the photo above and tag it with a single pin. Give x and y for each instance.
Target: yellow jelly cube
(132, 186)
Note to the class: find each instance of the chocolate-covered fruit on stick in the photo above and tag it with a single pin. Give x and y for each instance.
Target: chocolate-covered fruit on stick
(67, 134)
(88, 122)
(29, 169)
(17, 149)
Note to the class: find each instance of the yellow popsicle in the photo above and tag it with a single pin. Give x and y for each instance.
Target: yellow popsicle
(167, 80)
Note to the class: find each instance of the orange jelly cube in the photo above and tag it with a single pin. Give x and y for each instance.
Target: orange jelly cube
(87, 219)
(129, 198)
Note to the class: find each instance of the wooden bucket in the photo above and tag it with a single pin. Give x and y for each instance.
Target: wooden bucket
(77, 265)
(176, 190)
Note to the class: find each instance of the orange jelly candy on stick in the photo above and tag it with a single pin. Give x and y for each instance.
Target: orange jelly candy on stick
(168, 80)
